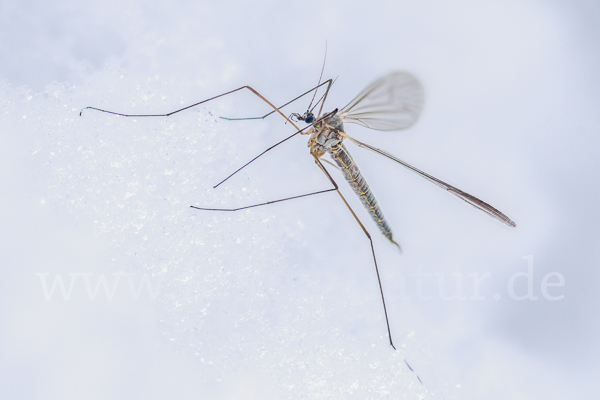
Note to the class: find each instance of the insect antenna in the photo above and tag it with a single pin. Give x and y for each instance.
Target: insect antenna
(308, 116)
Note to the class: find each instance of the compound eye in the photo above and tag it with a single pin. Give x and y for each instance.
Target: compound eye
(309, 119)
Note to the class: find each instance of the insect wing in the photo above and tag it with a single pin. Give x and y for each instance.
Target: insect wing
(392, 102)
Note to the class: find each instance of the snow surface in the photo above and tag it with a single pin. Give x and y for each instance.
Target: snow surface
(163, 301)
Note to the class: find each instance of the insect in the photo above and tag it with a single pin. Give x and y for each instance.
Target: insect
(392, 102)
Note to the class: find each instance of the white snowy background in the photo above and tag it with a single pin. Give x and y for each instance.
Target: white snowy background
(282, 301)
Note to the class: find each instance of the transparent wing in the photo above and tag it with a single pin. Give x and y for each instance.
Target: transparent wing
(472, 200)
(392, 102)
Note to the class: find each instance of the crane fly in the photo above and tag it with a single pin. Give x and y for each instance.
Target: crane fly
(393, 102)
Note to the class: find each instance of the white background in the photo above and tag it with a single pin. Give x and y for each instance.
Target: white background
(282, 301)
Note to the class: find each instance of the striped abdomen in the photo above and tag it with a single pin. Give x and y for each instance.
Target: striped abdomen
(355, 179)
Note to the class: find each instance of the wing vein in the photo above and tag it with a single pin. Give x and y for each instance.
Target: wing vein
(392, 102)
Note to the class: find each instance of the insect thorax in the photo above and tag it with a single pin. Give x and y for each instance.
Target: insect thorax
(325, 135)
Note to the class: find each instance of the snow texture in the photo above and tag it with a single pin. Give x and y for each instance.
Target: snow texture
(113, 287)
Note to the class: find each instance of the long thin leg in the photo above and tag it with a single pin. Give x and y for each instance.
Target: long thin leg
(372, 248)
(374, 260)
(413, 371)
(275, 109)
(324, 97)
(270, 148)
(268, 202)
(472, 200)
(280, 107)
(245, 165)
(336, 189)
